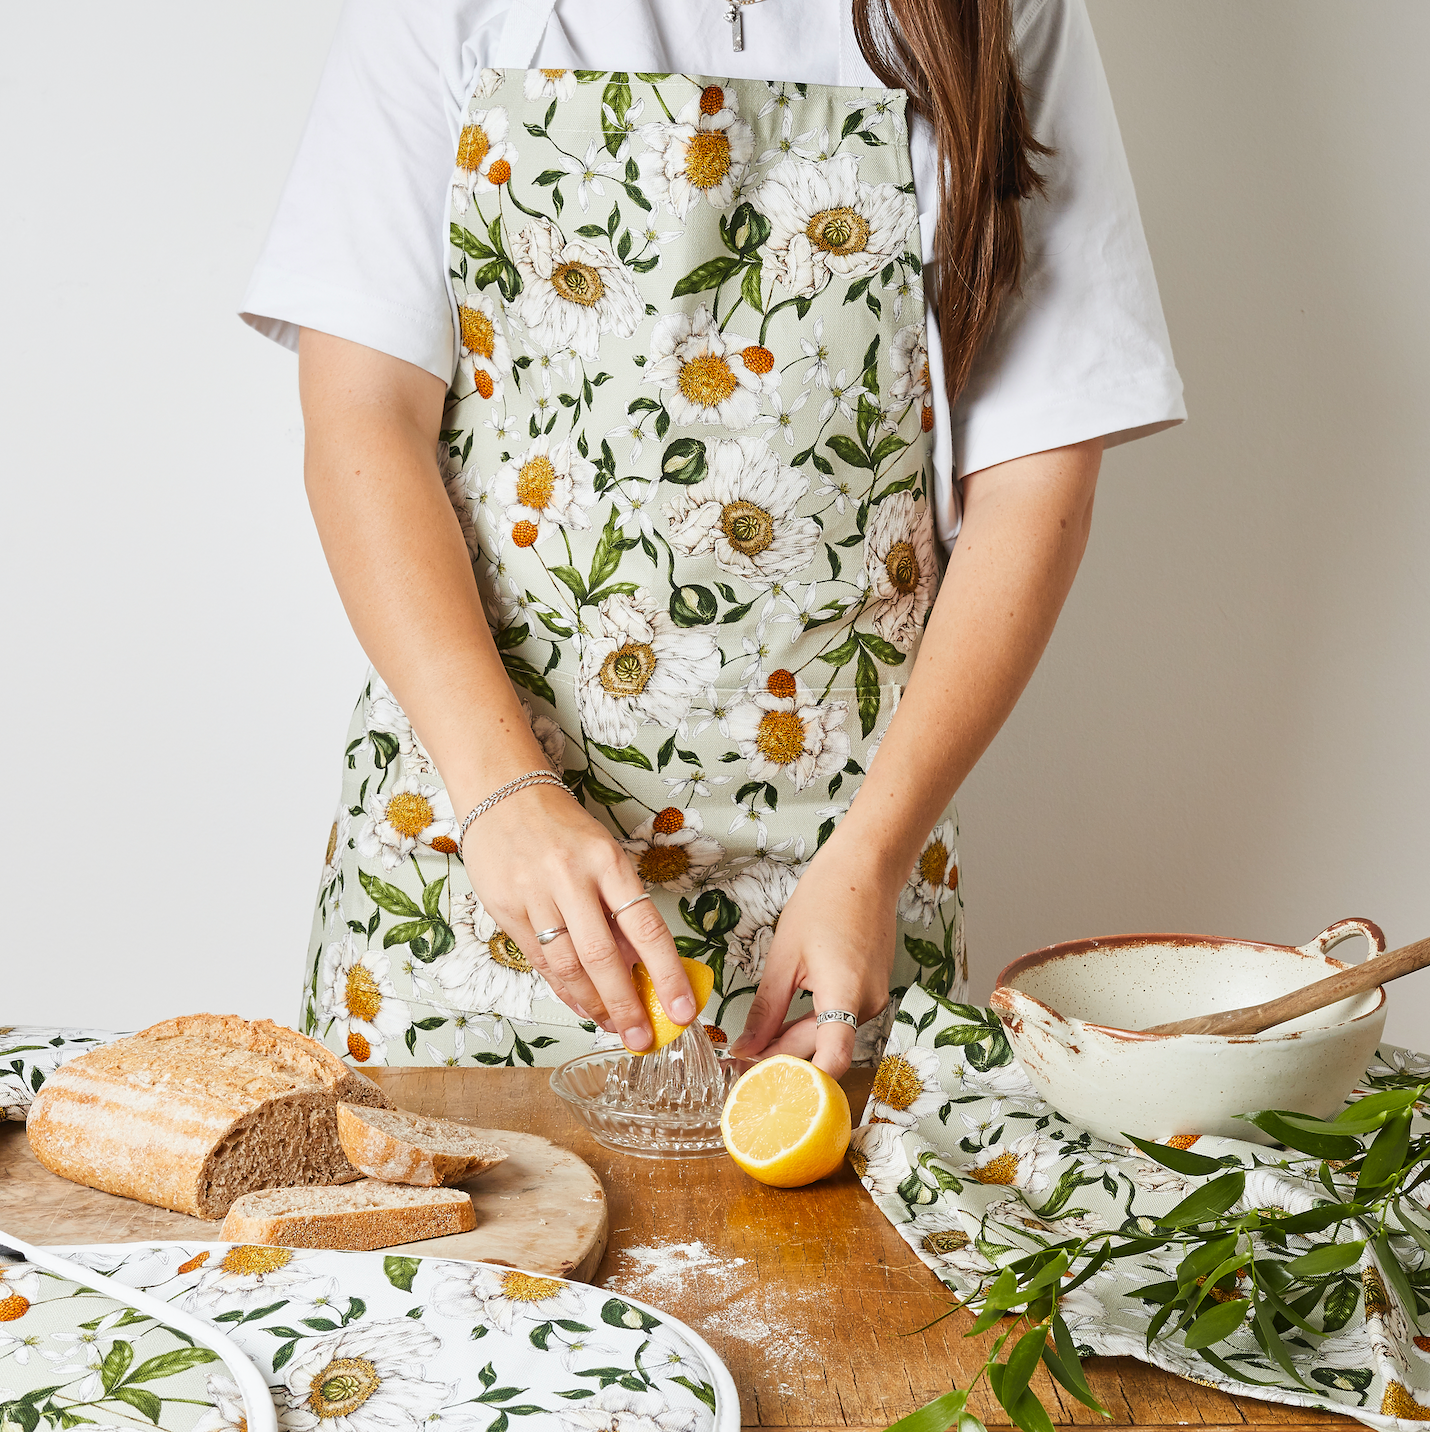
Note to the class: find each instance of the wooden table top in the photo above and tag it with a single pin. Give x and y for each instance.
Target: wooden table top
(808, 1294)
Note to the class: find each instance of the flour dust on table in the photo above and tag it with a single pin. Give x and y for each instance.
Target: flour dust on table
(689, 444)
(974, 1169)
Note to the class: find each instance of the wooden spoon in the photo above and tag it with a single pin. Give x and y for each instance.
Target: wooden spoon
(1253, 1018)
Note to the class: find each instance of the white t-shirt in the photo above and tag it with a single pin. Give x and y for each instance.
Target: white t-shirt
(358, 247)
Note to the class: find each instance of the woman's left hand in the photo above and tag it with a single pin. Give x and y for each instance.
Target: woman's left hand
(835, 938)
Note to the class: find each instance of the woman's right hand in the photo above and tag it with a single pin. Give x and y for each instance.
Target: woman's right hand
(538, 860)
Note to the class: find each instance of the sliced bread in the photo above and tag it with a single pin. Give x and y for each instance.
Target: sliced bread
(360, 1216)
(190, 1113)
(399, 1147)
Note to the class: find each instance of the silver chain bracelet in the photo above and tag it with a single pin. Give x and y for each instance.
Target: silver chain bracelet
(531, 778)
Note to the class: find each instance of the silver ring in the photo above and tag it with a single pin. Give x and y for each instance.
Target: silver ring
(545, 937)
(644, 895)
(837, 1016)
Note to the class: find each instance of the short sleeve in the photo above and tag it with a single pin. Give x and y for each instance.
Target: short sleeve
(1082, 349)
(358, 245)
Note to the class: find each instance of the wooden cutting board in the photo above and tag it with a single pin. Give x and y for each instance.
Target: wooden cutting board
(542, 1210)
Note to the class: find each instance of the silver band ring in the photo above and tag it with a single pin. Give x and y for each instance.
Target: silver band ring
(545, 937)
(837, 1016)
(644, 895)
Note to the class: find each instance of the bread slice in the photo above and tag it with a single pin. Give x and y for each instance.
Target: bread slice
(399, 1147)
(192, 1112)
(361, 1216)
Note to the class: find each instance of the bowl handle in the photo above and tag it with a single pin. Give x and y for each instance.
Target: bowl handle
(1343, 930)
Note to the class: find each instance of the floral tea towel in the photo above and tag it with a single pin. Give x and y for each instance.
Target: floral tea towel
(974, 1168)
(30, 1053)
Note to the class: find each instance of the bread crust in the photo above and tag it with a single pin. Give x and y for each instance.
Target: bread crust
(384, 1155)
(192, 1112)
(358, 1230)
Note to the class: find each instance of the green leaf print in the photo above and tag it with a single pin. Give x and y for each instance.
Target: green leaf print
(627, 755)
(431, 894)
(400, 1271)
(573, 579)
(886, 449)
(692, 606)
(618, 96)
(866, 690)
(141, 1400)
(885, 651)
(523, 673)
(620, 1314)
(385, 748)
(684, 461)
(843, 653)
(405, 933)
(711, 274)
(845, 448)
(600, 792)
(903, 484)
(750, 287)
(703, 1390)
(607, 556)
(512, 637)
(746, 231)
(470, 244)
(925, 952)
(387, 897)
(116, 1364)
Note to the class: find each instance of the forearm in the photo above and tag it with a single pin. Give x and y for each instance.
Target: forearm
(401, 564)
(1025, 528)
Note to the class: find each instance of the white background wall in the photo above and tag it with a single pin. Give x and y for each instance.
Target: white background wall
(1228, 734)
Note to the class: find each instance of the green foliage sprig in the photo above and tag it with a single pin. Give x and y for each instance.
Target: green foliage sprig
(1235, 1268)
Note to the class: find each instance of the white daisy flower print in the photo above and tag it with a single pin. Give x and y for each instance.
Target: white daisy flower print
(635, 431)
(18, 1349)
(706, 376)
(549, 84)
(696, 781)
(228, 1413)
(932, 880)
(500, 1296)
(901, 568)
(817, 351)
(877, 1156)
(939, 1237)
(485, 353)
(703, 155)
(547, 487)
(786, 731)
(357, 994)
(670, 849)
(590, 170)
(761, 889)
(550, 734)
(384, 714)
(572, 292)
(489, 81)
(613, 1409)
(1026, 1163)
(655, 239)
(744, 513)
(909, 355)
(750, 815)
(1156, 1178)
(782, 419)
(843, 397)
(908, 1086)
(715, 712)
(485, 157)
(639, 667)
(457, 483)
(486, 973)
(249, 1276)
(408, 814)
(338, 838)
(635, 501)
(365, 1378)
(826, 223)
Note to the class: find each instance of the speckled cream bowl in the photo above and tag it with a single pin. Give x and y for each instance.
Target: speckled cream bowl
(1073, 1014)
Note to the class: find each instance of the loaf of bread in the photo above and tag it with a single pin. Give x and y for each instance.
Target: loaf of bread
(193, 1112)
(361, 1216)
(399, 1147)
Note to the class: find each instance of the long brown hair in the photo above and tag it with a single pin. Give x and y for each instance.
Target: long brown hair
(955, 58)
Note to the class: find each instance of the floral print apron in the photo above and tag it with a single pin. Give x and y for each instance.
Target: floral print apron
(689, 444)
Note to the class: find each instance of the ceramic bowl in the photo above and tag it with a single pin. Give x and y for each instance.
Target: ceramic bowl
(1073, 1014)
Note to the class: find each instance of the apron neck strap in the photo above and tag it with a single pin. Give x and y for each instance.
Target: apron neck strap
(522, 34)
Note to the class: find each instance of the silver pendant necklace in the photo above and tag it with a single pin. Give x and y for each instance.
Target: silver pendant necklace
(737, 25)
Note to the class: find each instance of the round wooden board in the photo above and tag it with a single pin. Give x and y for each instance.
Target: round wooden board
(541, 1209)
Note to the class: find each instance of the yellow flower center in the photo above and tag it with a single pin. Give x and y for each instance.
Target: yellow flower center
(858, 1161)
(707, 380)
(1397, 1402)
(332, 844)
(707, 159)
(628, 669)
(358, 1047)
(479, 334)
(523, 1288)
(712, 100)
(780, 736)
(926, 418)
(524, 533)
(503, 950)
(839, 231)
(717, 1035)
(472, 148)
(1001, 1169)
(363, 997)
(535, 483)
(409, 814)
(663, 862)
(482, 382)
(197, 1261)
(15, 1306)
(1377, 1301)
(747, 528)
(757, 359)
(942, 1244)
(578, 283)
(902, 565)
(670, 820)
(897, 1083)
(444, 845)
(924, 375)
(249, 1258)
(781, 683)
(953, 876)
(933, 862)
(499, 173)
(343, 1386)
(1182, 1141)
(552, 74)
